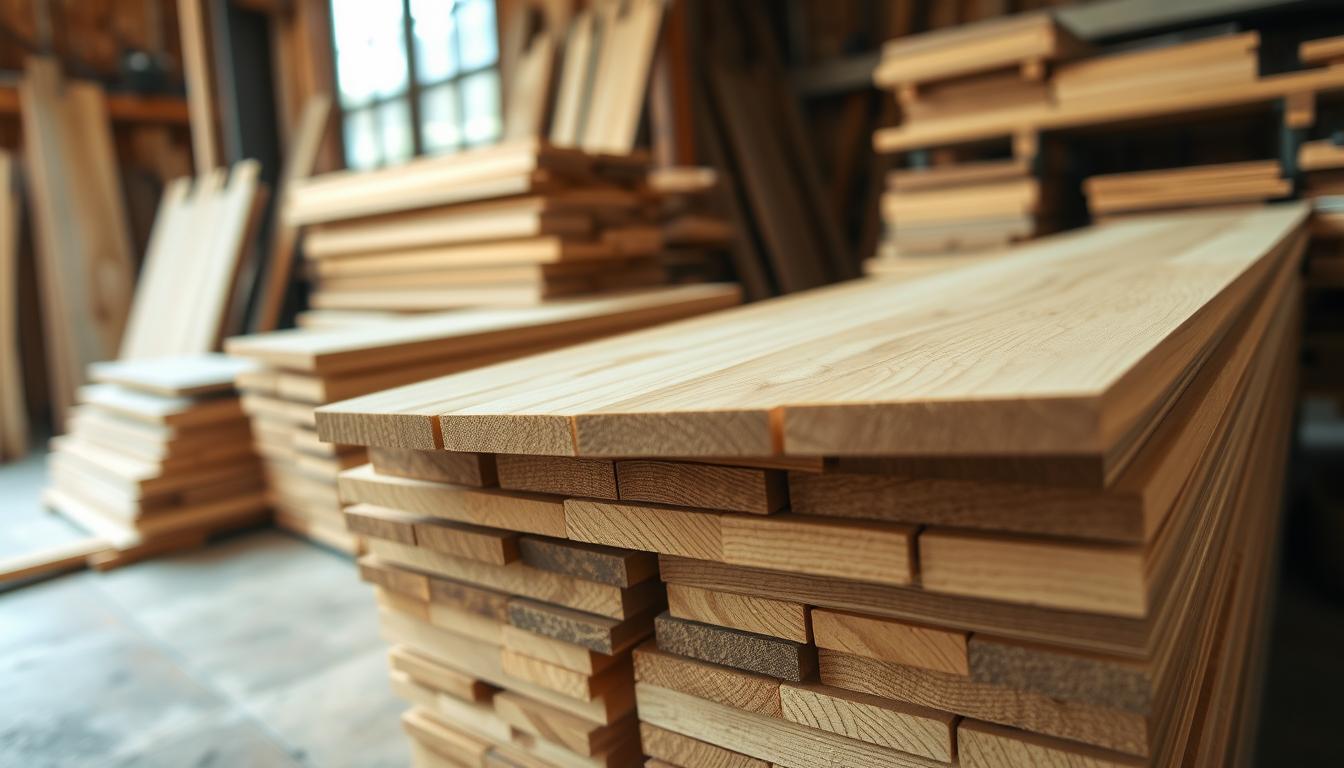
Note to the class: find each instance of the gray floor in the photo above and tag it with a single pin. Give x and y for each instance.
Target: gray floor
(261, 650)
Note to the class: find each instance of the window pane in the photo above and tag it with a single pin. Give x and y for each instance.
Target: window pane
(435, 43)
(476, 29)
(370, 49)
(361, 139)
(441, 122)
(480, 102)
(394, 123)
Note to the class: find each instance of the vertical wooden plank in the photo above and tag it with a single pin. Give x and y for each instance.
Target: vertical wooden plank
(196, 70)
(13, 417)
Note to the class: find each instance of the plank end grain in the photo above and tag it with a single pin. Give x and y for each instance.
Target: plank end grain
(724, 433)
(411, 431)
(543, 435)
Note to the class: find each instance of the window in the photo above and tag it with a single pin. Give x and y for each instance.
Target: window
(415, 77)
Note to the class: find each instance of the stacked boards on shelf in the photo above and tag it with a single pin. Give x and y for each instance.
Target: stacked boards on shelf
(965, 203)
(158, 456)
(1116, 194)
(301, 369)
(898, 532)
(515, 224)
(696, 234)
(1225, 61)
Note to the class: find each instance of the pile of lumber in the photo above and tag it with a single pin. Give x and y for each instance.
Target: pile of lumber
(158, 456)
(696, 235)
(510, 225)
(1226, 61)
(963, 205)
(960, 208)
(1203, 185)
(897, 531)
(301, 369)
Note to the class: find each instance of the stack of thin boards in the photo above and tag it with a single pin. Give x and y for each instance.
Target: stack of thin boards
(510, 225)
(1322, 165)
(301, 369)
(1030, 527)
(696, 235)
(158, 456)
(1219, 62)
(961, 206)
(1204, 185)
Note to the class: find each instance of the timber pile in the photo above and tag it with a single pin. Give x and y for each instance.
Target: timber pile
(301, 369)
(696, 236)
(510, 225)
(964, 205)
(1222, 184)
(894, 531)
(158, 456)
(1227, 61)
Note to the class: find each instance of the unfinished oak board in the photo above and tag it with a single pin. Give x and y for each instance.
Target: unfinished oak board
(677, 750)
(647, 527)
(593, 478)
(881, 553)
(13, 407)
(985, 745)
(592, 562)
(771, 378)
(543, 648)
(474, 469)
(777, 618)
(731, 489)
(908, 728)
(779, 741)
(185, 376)
(736, 688)
(878, 638)
(762, 654)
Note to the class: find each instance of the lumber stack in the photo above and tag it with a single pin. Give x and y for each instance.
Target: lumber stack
(1226, 61)
(300, 369)
(515, 224)
(1203, 185)
(157, 457)
(962, 204)
(1030, 527)
(696, 235)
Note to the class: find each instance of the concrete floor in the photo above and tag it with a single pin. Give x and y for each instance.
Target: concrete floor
(262, 650)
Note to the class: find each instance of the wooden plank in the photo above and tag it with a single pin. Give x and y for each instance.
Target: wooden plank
(591, 562)
(1111, 729)
(777, 618)
(13, 403)
(907, 728)
(863, 551)
(69, 556)
(559, 653)
(676, 750)
(1082, 577)
(617, 406)
(736, 688)
(395, 579)
(191, 16)
(186, 376)
(593, 478)
(564, 681)
(576, 73)
(646, 527)
(514, 511)
(763, 654)
(559, 727)
(381, 523)
(444, 739)
(731, 489)
(475, 469)
(981, 745)
(778, 741)
(438, 677)
(941, 650)
(514, 578)
(300, 159)
(597, 633)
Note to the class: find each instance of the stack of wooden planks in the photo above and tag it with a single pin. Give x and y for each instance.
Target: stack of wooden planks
(1226, 61)
(959, 208)
(696, 235)
(1203, 185)
(1033, 526)
(510, 225)
(301, 369)
(960, 204)
(157, 457)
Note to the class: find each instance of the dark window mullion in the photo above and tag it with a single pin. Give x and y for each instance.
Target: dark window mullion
(412, 79)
